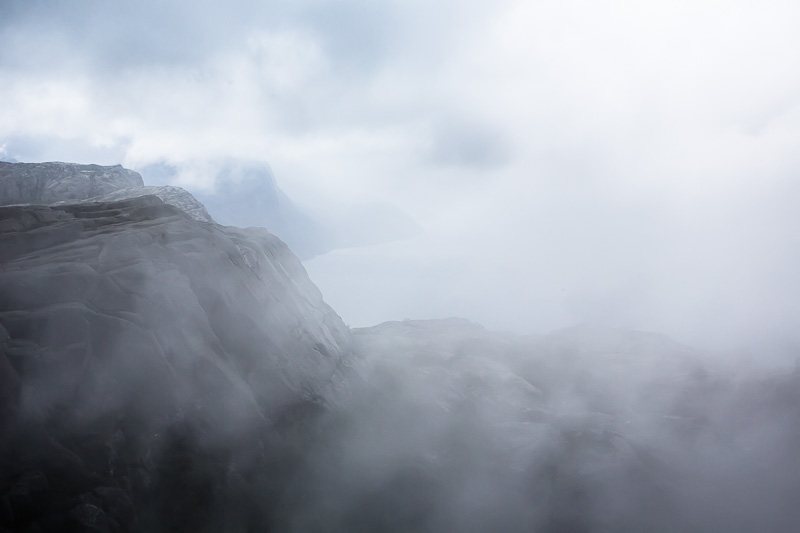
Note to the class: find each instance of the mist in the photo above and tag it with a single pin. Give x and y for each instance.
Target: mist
(602, 193)
(582, 162)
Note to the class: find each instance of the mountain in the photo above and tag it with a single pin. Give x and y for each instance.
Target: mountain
(457, 428)
(245, 193)
(451, 427)
(45, 183)
(133, 339)
(174, 196)
(160, 372)
(67, 183)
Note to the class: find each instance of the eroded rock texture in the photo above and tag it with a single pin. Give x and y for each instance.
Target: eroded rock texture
(46, 183)
(174, 196)
(69, 183)
(151, 367)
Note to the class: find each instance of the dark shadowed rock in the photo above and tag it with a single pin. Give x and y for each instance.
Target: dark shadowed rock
(155, 356)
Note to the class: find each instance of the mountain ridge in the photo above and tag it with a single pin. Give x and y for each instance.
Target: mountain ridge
(128, 327)
(160, 372)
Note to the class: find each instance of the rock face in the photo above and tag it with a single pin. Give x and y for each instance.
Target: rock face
(174, 196)
(46, 183)
(161, 373)
(151, 362)
(68, 183)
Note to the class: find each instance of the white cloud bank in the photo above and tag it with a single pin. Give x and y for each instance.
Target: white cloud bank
(632, 163)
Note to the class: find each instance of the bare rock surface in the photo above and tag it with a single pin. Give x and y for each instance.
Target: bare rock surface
(133, 339)
(160, 373)
(46, 183)
(175, 196)
(68, 183)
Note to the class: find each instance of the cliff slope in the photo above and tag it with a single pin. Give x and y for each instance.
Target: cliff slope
(146, 359)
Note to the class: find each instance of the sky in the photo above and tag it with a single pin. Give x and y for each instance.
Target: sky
(630, 164)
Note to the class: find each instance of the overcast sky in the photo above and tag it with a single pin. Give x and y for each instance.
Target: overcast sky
(628, 163)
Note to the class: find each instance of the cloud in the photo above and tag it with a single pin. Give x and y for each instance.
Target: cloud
(566, 161)
(460, 143)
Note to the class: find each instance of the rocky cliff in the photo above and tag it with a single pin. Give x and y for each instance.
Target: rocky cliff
(69, 183)
(132, 338)
(159, 372)
(174, 196)
(46, 183)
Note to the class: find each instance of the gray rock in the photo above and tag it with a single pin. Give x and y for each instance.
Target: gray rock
(116, 503)
(167, 315)
(69, 183)
(89, 517)
(46, 183)
(175, 196)
(153, 355)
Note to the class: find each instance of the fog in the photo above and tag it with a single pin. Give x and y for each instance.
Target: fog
(604, 193)
(586, 429)
(567, 161)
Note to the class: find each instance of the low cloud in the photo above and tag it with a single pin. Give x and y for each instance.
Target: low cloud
(573, 161)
